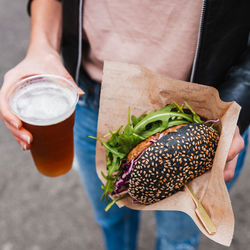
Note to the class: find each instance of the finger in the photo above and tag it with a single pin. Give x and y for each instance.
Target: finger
(5, 112)
(26, 76)
(80, 92)
(22, 134)
(237, 145)
(23, 145)
(230, 169)
(7, 115)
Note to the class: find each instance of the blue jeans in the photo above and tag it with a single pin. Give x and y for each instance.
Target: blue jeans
(175, 230)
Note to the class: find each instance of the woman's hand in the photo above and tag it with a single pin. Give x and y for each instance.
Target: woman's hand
(42, 61)
(235, 148)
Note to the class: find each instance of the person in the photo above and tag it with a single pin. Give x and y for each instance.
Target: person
(198, 41)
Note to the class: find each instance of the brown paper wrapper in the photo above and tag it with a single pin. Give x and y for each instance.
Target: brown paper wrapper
(126, 85)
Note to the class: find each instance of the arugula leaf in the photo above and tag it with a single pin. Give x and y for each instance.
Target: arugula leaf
(136, 120)
(113, 202)
(179, 108)
(162, 116)
(109, 147)
(196, 118)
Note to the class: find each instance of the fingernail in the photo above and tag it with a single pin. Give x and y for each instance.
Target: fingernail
(24, 146)
(26, 138)
(15, 124)
(80, 91)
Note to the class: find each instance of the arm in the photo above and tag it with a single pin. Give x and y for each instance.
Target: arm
(237, 87)
(42, 57)
(46, 23)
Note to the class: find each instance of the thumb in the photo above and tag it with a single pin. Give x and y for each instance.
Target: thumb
(80, 92)
(70, 78)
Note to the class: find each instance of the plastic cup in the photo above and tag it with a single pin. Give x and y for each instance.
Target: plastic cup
(46, 106)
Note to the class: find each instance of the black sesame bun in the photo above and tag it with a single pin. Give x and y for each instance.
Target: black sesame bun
(166, 164)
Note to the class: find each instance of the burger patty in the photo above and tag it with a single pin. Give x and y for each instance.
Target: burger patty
(182, 154)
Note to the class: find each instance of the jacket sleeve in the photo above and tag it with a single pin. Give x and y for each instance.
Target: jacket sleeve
(29, 4)
(237, 87)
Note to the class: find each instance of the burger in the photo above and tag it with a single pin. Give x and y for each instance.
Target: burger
(156, 154)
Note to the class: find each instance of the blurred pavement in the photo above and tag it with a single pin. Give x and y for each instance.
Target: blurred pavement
(39, 213)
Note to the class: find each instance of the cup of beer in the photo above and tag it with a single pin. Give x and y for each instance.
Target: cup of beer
(46, 106)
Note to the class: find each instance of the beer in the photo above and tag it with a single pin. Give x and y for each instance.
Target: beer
(47, 109)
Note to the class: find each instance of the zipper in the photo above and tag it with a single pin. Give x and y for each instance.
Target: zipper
(197, 51)
(78, 65)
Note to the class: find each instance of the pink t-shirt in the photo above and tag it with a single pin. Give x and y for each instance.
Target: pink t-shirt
(160, 35)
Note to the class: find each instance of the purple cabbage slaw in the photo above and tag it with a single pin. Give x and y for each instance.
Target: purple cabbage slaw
(124, 178)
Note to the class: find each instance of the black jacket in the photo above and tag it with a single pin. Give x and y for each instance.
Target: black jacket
(222, 58)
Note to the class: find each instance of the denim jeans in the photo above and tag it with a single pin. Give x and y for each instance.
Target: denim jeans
(174, 230)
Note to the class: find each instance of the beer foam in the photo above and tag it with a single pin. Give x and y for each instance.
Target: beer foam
(43, 103)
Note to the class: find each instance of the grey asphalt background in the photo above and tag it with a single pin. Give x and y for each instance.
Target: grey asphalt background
(38, 213)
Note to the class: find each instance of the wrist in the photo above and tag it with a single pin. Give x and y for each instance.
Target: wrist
(42, 48)
(45, 39)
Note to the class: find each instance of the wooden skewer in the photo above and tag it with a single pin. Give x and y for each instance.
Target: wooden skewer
(202, 213)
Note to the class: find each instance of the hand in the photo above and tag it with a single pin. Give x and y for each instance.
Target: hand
(235, 148)
(41, 62)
